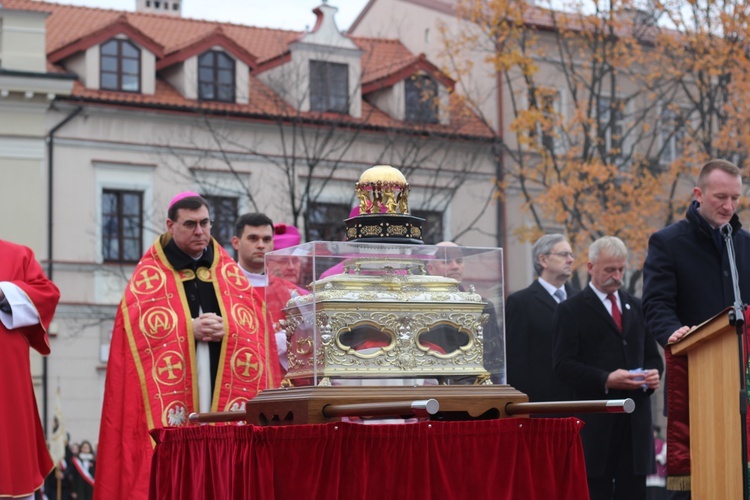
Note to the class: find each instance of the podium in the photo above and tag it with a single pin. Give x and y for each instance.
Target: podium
(715, 425)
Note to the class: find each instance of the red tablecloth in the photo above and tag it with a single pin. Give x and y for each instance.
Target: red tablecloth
(499, 459)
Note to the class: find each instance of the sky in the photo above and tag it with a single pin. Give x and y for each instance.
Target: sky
(285, 14)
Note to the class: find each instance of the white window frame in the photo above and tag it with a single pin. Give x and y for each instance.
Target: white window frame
(604, 118)
(669, 137)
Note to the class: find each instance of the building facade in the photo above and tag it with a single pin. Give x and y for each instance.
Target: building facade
(112, 113)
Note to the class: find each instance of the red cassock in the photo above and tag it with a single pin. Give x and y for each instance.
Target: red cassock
(151, 375)
(24, 459)
(277, 293)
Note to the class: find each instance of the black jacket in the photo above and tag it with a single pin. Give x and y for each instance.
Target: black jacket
(587, 347)
(686, 277)
(528, 341)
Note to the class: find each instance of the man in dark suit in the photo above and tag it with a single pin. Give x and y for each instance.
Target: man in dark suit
(602, 350)
(528, 322)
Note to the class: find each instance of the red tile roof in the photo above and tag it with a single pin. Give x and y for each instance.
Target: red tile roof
(73, 28)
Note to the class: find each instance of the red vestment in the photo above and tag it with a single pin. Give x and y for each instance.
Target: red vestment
(278, 292)
(151, 371)
(24, 459)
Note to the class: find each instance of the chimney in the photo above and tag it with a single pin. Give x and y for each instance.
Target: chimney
(164, 7)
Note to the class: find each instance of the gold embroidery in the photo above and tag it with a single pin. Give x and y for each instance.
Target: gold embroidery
(187, 274)
(168, 372)
(146, 284)
(158, 322)
(235, 277)
(245, 317)
(245, 365)
(204, 274)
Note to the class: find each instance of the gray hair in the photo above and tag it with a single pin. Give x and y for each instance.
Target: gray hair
(612, 246)
(543, 246)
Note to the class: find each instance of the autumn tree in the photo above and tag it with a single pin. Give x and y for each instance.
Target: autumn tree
(611, 108)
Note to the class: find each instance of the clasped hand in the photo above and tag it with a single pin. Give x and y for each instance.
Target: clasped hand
(208, 327)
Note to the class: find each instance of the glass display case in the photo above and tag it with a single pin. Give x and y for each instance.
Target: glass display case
(387, 314)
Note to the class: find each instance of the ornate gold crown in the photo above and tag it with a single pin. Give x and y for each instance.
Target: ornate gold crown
(383, 209)
(382, 189)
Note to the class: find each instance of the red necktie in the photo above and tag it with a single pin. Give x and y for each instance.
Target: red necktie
(616, 314)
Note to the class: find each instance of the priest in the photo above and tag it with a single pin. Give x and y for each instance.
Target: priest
(27, 303)
(189, 336)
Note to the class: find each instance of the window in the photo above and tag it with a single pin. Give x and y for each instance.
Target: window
(329, 87)
(421, 99)
(105, 339)
(432, 229)
(612, 125)
(120, 66)
(216, 77)
(224, 213)
(122, 223)
(325, 221)
(672, 135)
(550, 108)
(545, 104)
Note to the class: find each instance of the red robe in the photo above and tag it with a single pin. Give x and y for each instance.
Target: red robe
(24, 459)
(277, 294)
(151, 375)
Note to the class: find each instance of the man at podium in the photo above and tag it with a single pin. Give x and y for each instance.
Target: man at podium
(687, 280)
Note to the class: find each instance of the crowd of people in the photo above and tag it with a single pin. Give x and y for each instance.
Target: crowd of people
(73, 477)
(197, 331)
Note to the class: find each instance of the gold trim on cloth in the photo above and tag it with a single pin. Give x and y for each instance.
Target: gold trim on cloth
(678, 483)
(159, 330)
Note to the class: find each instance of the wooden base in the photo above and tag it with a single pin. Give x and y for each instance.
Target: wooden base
(304, 405)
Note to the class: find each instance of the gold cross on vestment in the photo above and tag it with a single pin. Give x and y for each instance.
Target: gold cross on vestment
(170, 368)
(247, 364)
(148, 279)
(237, 276)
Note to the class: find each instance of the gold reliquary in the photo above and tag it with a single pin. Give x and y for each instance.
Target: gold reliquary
(377, 312)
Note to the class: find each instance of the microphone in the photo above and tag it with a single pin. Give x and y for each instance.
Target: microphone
(738, 307)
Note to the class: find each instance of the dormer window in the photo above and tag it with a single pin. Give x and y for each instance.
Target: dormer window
(120, 66)
(216, 77)
(421, 99)
(329, 87)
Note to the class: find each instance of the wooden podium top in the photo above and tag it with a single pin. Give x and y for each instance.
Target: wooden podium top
(702, 333)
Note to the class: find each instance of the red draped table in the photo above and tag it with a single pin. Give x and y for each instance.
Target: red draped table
(500, 459)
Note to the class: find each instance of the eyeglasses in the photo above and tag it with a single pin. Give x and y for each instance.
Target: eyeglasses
(564, 255)
(190, 224)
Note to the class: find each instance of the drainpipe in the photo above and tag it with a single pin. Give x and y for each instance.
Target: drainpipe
(501, 212)
(50, 140)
